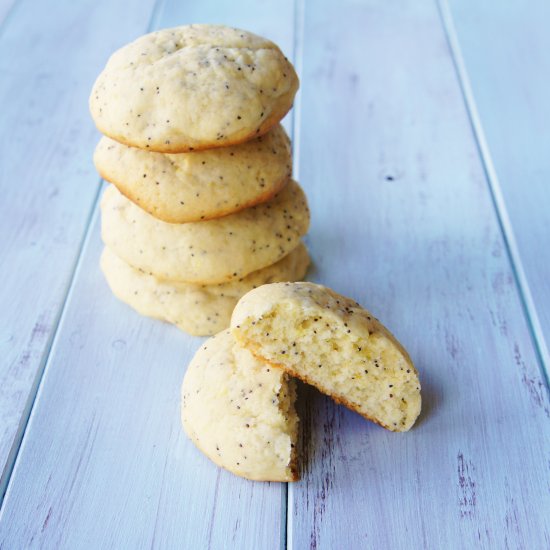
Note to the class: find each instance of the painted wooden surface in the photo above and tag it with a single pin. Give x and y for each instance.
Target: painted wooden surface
(404, 220)
(507, 54)
(49, 59)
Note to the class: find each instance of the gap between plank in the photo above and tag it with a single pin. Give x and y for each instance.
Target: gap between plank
(505, 224)
(297, 54)
(284, 515)
(298, 57)
(41, 370)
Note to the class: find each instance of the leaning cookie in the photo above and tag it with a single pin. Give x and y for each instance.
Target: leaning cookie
(201, 310)
(193, 87)
(207, 252)
(240, 412)
(331, 342)
(201, 185)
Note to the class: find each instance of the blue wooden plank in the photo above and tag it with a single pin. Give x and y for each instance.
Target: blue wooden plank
(403, 221)
(104, 462)
(48, 61)
(505, 47)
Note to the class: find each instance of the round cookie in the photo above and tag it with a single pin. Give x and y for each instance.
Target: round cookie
(201, 310)
(240, 412)
(201, 185)
(193, 87)
(208, 252)
(334, 344)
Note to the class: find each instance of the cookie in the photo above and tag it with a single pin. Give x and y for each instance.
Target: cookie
(331, 342)
(240, 412)
(201, 185)
(193, 87)
(207, 252)
(201, 310)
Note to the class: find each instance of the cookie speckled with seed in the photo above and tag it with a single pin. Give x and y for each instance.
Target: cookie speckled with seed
(207, 252)
(201, 310)
(200, 185)
(331, 342)
(240, 412)
(193, 87)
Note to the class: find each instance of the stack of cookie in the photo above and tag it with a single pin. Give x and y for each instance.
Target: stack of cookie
(202, 208)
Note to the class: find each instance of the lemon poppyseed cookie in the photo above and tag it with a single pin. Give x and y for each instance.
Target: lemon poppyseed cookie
(240, 412)
(331, 342)
(201, 185)
(207, 252)
(193, 87)
(201, 310)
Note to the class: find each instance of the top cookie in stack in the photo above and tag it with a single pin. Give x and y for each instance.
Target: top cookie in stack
(202, 168)
(193, 87)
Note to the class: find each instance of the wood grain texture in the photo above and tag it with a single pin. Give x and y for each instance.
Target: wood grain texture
(403, 221)
(505, 49)
(104, 462)
(48, 61)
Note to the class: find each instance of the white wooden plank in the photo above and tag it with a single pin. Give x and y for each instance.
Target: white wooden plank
(48, 61)
(104, 462)
(505, 48)
(402, 220)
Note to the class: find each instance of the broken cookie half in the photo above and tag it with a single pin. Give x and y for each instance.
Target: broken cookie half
(240, 411)
(331, 342)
